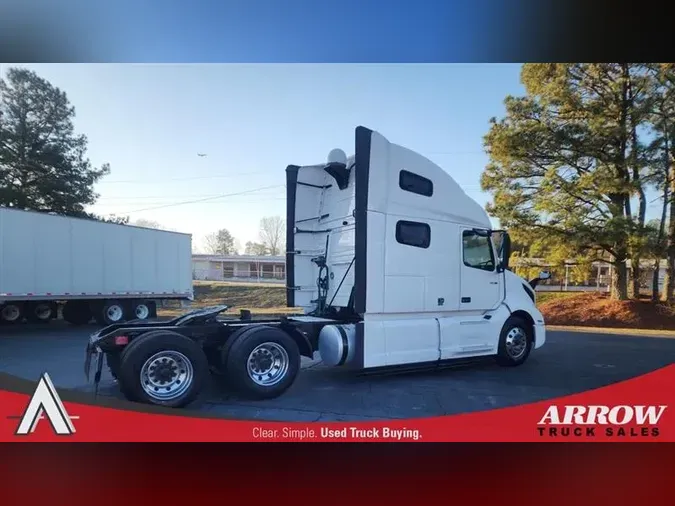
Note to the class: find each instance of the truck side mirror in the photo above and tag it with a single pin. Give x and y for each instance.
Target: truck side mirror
(543, 275)
(505, 252)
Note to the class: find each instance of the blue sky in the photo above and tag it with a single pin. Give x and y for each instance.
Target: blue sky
(252, 120)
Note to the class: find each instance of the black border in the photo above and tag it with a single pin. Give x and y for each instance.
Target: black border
(363, 137)
(291, 187)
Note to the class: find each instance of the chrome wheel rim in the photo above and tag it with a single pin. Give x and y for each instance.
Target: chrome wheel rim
(516, 343)
(114, 313)
(43, 312)
(166, 375)
(267, 364)
(142, 311)
(11, 313)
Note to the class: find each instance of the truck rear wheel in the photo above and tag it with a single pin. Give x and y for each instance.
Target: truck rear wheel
(12, 312)
(515, 342)
(262, 362)
(41, 312)
(163, 368)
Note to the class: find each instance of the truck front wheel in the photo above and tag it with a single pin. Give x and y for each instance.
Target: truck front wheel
(163, 368)
(262, 362)
(515, 342)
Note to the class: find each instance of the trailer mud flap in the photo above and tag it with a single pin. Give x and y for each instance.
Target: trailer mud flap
(93, 354)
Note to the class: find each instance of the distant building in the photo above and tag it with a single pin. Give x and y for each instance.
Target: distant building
(239, 268)
(597, 278)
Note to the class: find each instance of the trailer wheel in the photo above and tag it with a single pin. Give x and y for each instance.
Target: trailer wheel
(141, 310)
(41, 312)
(163, 368)
(77, 312)
(263, 362)
(110, 312)
(11, 312)
(515, 342)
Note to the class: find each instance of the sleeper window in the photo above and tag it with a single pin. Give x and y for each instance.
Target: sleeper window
(413, 233)
(415, 183)
(477, 251)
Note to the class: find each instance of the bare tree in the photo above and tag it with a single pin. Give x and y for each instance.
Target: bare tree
(272, 232)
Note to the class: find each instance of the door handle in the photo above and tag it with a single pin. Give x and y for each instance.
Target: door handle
(466, 299)
(494, 282)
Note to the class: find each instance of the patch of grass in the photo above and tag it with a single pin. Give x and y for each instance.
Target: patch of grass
(543, 297)
(259, 298)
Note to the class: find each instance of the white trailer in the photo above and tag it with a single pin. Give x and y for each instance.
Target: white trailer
(393, 265)
(88, 269)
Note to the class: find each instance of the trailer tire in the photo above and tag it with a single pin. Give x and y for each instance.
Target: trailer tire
(41, 312)
(163, 368)
(262, 362)
(515, 342)
(12, 313)
(77, 312)
(110, 312)
(140, 310)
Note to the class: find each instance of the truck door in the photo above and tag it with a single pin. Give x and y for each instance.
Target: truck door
(480, 283)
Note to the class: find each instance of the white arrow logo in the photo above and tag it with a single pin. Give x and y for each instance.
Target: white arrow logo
(46, 401)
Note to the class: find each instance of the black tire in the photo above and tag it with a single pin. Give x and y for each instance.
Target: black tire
(237, 358)
(12, 313)
(77, 312)
(105, 312)
(506, 354)
(41, 312)
(142, 308)
(113, 360)
(162, 342)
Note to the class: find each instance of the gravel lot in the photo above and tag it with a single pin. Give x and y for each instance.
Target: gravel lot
(569, 362)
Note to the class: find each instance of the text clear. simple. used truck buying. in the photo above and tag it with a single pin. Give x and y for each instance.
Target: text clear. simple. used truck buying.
(90, 269)
(393, 266)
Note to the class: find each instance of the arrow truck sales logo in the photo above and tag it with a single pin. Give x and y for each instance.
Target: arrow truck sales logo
(45, 401)
(594, 420)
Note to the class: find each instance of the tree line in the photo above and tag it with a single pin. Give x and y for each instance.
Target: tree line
(581, 168)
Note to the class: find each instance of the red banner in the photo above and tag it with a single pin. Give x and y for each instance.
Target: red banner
(635, 410)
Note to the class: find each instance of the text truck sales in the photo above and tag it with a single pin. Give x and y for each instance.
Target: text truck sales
(592, 420)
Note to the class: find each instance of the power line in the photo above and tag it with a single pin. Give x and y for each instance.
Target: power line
(205, 199)
(118, 205)
(141, 198)
(192, 178)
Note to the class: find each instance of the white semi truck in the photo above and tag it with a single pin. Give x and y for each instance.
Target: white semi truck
(87, 269)
(392, 264)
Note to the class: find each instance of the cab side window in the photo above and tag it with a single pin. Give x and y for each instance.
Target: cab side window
(477, 251)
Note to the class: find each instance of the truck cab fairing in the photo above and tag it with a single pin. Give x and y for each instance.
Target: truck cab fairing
(363, 230)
